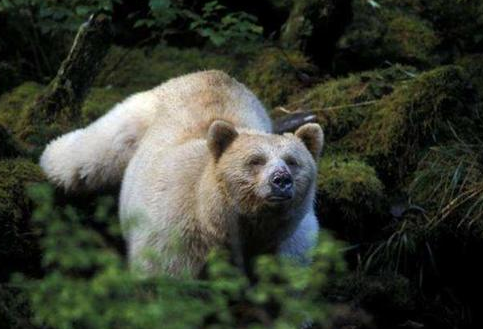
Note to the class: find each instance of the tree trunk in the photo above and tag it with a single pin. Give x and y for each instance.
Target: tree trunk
(60, 104)
(315, 26)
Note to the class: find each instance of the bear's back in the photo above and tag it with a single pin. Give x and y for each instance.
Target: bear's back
(187, 105)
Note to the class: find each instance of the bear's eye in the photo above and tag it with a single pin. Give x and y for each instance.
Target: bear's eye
(291, 162)
(257, 160)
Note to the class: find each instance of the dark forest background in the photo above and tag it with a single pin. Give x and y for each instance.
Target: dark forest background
(397, 86)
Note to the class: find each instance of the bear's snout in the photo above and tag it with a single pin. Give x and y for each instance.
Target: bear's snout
(281, 183)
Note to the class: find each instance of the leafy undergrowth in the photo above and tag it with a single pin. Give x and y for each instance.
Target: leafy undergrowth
(88, 286)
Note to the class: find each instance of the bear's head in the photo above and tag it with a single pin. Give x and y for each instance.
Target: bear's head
(261, 171)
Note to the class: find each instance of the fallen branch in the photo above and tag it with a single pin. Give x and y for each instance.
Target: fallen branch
(291, 122)
(345, 106)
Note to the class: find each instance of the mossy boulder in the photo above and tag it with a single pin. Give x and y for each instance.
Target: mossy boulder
(18, 244)
(275, 75)
(342, 104)
(351, 196)
(14, 103)
(15, 113)
(386, 32)
(429, 109)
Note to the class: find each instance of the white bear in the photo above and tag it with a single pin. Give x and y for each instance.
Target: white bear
(199, 169)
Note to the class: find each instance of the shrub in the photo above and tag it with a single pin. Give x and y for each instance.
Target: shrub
(87, 284)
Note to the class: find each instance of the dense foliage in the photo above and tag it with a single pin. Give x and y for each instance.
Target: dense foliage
(397, 87)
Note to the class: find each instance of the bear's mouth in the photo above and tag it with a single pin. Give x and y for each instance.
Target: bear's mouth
(278, 198)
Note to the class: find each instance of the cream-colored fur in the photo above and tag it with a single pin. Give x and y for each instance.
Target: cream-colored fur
(181, 151)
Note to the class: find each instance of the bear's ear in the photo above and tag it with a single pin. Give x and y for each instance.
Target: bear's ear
(312, 136)
(220, 135)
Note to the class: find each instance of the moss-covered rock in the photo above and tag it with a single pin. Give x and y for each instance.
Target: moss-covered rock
(458, 23)
(426, 110)
(18, 249)
(275, 75)
(351, 196)
(141, 69)
(15, 108)
(351, 183)
(386, 32)
(13, 104)
(341, 105)
(8, 145)
(408, 38)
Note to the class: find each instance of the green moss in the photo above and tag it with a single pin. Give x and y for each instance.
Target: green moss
(390, 32)
(274, 75)
(99, 101)
(419, 113)
(350, 186)
(459, 23)
(17, 243)
(8, 145)
(341, 105)
(141, 69)
(410, 39)
(13, 103)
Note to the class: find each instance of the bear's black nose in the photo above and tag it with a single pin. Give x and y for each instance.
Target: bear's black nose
(281, 180)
